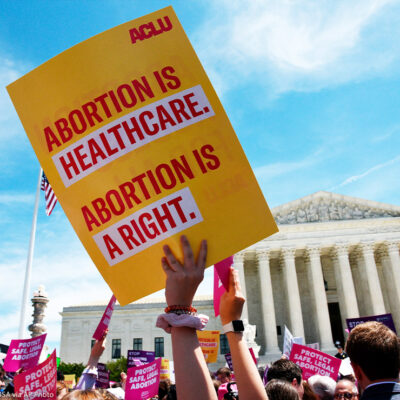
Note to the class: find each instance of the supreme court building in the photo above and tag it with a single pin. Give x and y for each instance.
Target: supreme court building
(334, 257)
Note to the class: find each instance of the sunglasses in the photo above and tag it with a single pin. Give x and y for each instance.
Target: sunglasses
(346, 395)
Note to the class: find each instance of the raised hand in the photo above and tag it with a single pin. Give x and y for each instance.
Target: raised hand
(183, 280)
(232, 301)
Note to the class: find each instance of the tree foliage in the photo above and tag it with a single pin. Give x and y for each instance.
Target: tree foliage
(71, 368)
(116, 367)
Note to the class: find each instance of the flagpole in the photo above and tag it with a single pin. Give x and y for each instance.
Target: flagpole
(27, 282)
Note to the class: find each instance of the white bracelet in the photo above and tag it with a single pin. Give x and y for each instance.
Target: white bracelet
(167, 321)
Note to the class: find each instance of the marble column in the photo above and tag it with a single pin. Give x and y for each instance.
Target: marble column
(321, 305)
(238, 264)
(372, 279)
(267, 304)
(344, 281)
(394, 256)
(390, 260)
(292, 289)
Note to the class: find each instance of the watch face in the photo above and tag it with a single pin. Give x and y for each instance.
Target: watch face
(238, 326)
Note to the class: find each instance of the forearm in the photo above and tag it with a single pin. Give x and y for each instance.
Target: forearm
(93, 361)
(248, 380)
(192, 377)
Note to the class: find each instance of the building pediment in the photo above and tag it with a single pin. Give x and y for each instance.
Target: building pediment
(326, 206)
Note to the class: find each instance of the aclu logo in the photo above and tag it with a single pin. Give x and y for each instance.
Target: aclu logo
(146, 31)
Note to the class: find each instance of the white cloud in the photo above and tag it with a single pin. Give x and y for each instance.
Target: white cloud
(369, 171)
(268, 172)
(9, 72)
(61, 265)
(298, 44)
(16, 198)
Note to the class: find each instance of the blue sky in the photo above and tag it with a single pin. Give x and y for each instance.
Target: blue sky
(312, 89)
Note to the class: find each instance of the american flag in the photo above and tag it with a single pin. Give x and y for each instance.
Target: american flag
(49, 195)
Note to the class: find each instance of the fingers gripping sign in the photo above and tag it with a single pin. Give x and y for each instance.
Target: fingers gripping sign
(233, 300)
(183, 279)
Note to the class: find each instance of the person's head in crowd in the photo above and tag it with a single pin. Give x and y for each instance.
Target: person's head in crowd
(281, 390)
(308, 393)
(374, 352)
(224, 375)
(62, 390)
(288, 371)
(163, 387)
(322, 386)
(339, 346)
(89, 394)
(345, 390)
(60, 376)
(350, 378)
(107, 395)
(171, 394)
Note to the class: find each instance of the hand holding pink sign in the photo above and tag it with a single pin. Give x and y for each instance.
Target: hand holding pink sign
(222, 269)
(105, 320)
(221, 281)
(24, 353)
(219, 290)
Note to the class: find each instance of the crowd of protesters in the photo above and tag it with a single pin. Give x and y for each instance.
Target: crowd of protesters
(373, 349)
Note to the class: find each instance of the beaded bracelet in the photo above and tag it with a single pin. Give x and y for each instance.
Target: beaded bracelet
(177, 309)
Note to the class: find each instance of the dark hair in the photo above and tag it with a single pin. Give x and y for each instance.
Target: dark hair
(285, 370)
(225, 371)
(308, 393)
(172, 393)
(375, 349)
(163, 388)
(281, 390)
(60, 376)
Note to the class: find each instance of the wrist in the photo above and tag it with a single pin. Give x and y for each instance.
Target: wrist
(235, 326)
(227, 320)
(93, 361)
(181, 302)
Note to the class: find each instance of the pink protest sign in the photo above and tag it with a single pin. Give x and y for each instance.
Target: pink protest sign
(253, 355)
(222, 269)
(142, 382)
(105, 319)
(24, 353)
(219, 290)
(315, 362)
(38, 382)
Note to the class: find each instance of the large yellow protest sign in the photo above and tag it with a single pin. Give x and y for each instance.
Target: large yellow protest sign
(139, 150)
(209, 343)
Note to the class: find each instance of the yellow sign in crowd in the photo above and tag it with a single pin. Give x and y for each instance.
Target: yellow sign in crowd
(138, 149)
